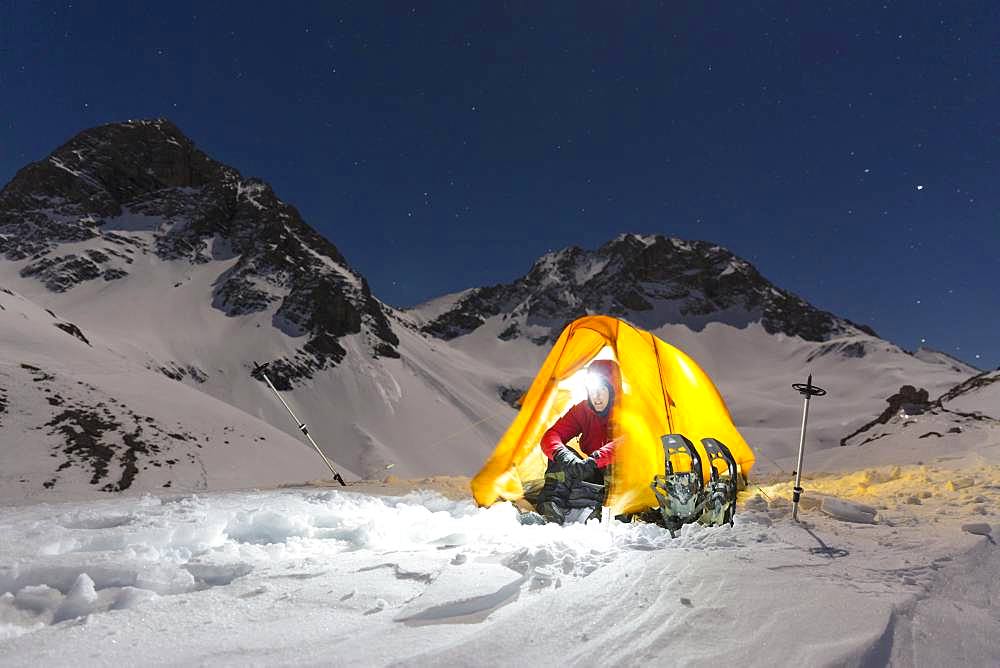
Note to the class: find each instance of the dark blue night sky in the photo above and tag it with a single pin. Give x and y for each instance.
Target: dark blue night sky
(850, 150)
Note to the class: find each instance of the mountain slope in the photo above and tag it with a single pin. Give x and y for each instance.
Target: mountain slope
(979, 394)
(77, 418)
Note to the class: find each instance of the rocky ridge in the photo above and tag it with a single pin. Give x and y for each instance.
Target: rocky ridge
(651, 280)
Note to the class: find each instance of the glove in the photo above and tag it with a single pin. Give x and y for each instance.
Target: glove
(570, 462)
(587, 469)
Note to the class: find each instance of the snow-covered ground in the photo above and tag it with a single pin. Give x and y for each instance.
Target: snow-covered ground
(892, 564)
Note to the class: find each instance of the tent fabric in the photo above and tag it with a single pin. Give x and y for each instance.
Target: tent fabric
(664, 392)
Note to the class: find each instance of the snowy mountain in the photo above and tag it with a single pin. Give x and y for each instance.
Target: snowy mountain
(79, 217)
(182, 266)
(178, 265)
(650, 280)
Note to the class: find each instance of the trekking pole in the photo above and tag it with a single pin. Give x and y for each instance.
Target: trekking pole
(259, 368)
(808, 391)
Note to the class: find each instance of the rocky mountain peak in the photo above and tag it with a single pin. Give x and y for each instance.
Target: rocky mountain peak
(144, 188)
(649, 279)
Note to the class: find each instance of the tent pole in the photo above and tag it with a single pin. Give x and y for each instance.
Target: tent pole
(807, 391)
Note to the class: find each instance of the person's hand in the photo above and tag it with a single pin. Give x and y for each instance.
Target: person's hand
(572, 464)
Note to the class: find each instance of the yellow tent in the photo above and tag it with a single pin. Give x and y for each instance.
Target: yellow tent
(663, 392)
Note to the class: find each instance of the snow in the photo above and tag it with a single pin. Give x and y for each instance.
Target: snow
(588, 269)
(430, 310)
(984, 399)
(733, 267)
(345, 576)
(250, 190)
(937, 357)
(645, 239)
(187, 440)
(847, 511)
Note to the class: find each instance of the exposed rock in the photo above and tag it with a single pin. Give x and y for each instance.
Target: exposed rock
(977, 382)
(179, 372)
(511, 395)
(72, 330)
(978, 528)
(910, 402)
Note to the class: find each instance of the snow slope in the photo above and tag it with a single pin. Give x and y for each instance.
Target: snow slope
(431, 410)
(979, 394)
(327, 576)
(79, 418)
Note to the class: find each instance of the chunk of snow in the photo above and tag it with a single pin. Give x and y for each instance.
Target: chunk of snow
(38, 598)
(132, 597)
(978, 528)
(79, 602)
(960, 483)
(848, 511)
(165, 579)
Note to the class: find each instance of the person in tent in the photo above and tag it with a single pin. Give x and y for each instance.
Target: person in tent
(575, 483)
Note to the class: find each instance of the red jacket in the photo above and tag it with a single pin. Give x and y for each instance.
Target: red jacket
(582, 421)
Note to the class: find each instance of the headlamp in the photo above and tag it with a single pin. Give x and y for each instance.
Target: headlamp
(594, 381)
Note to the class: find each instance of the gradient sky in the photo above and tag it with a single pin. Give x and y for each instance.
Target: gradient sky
(849, 150)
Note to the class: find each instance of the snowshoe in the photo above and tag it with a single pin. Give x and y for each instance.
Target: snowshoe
(720, 491)
(582, 515)
(679, 493)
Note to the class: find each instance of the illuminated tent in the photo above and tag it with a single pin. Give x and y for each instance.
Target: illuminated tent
(663, 392)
